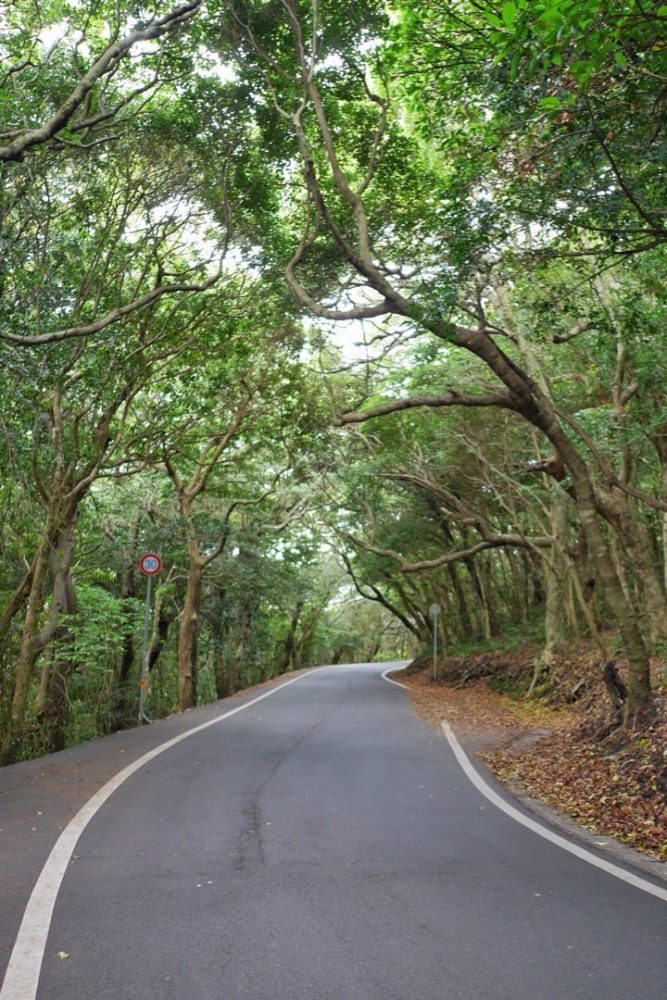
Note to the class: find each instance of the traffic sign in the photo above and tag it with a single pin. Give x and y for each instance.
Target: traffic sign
(150, 564)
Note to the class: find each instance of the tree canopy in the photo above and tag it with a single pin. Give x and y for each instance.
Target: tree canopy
(342, 308)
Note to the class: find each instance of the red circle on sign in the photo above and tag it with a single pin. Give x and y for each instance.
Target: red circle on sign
(150, 564)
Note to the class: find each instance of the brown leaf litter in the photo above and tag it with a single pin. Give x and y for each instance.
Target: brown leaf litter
(570, 756)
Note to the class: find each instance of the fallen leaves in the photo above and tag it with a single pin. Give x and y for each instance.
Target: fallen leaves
(615, 786)
(617, 791)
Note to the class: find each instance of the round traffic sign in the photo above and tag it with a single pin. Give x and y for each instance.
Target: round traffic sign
(150, 564)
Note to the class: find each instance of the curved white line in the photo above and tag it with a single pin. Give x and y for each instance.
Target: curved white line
(384, 677)
(22, 975)
(543, 831)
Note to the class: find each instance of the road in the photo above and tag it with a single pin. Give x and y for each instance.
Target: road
(324, 844)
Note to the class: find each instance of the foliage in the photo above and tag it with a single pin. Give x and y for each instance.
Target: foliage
(457, 174)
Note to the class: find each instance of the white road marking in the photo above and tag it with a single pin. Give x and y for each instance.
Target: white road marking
(543, 831)
(397, 683)
(22, 975)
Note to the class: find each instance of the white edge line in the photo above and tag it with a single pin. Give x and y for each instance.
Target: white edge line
(24, 967)
(388, 679)
(543, 831)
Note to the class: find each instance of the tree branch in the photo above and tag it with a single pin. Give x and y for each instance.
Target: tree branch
(103, 65)
(561, 338)
(490, 542)
(451, 398)
(379, 597)
(114, 316)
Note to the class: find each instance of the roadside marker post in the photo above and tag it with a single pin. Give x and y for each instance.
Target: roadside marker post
(435, 611)
(150, 565)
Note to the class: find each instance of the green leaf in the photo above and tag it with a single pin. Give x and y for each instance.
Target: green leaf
(493, 19)
(550, 17)
(620, 58)
(549, 102)
(580, 69)
(509, 14)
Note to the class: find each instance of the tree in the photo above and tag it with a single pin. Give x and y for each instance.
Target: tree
(477, 188)
(239, 417)
(75, 247)
(345, 184)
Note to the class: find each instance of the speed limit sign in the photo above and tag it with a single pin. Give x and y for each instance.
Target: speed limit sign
(150, 564)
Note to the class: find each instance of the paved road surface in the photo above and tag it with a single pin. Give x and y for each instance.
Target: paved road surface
(324, 844)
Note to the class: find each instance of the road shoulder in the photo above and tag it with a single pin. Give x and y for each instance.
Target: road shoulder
(506, 739)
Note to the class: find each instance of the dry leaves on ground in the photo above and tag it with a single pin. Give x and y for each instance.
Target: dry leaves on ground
(615, 786)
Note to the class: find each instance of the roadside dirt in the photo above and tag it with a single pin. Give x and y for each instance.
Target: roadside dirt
(613, 783)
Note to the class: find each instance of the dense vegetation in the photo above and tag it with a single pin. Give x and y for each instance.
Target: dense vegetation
(344, 309)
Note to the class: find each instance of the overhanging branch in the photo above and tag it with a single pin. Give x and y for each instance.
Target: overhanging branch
(451, 398)
(74, 332)
(491, 542)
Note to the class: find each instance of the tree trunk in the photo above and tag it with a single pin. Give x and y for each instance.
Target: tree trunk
(459, 589)
(462, 613)
(302, 647)
(485, 576)
(422, 628)
(17, 600)
(639, 683)
(242, 640)
(518, 584)
(660, 443)
(482, 623)
(635, 540)
(52, 700)
(556, 575)
(289, 643)
(128, 590)
(226, 677)
(187, 633)
(533, 404)
(12, 741)
(618, 555)
(163, 617)
(225, 674)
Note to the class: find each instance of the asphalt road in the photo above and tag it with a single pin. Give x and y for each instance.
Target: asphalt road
(324, 844)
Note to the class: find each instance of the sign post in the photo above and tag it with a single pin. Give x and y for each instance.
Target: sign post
(435, 611)
(150, 565)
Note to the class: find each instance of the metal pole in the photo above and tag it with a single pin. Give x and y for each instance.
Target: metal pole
(143, 683)
(434, 611)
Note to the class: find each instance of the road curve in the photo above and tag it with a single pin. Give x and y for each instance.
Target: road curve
(324, 844)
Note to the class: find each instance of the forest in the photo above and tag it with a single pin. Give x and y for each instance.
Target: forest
(343, 309)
